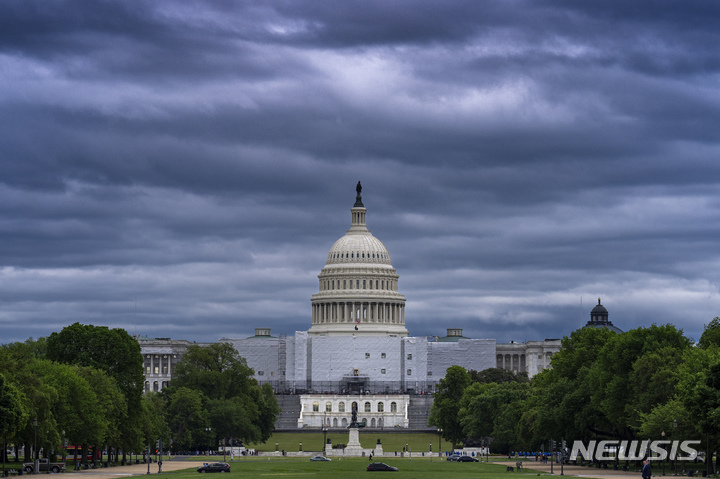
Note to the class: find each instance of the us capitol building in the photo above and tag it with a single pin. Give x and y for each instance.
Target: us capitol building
(358, 353)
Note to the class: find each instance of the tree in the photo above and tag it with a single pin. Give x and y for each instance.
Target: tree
(711, 334)
(187, 417)
(153, 419)
(613, 384)
(237, 406)
(444, 412)
(12, 413)
(494, 410)
(563, 406)
(76, 410)
(217, 370)
(498, 376)
(113, 351)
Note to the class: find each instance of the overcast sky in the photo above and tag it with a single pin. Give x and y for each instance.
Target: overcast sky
(519, 159)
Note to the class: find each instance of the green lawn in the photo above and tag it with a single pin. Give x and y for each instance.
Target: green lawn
(355, 468)
(313, 441)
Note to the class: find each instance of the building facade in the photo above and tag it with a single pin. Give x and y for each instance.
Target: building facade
(357, 351)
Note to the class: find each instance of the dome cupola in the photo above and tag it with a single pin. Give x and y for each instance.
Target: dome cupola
(358, 285)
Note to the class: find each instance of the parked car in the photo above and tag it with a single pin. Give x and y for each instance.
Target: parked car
(29, 467)
(379, 466)
(466, 459)
(215, 467)
(320, 458)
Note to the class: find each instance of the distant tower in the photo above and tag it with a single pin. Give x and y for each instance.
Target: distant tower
(599, 319)
(358, 291)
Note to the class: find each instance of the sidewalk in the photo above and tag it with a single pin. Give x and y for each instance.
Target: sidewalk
(576, 471)
(133, 470)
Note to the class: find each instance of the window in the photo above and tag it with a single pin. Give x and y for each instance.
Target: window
(382, 355)
(316, 407)
(429, 373)
(356, 372)
(381, 407)
(341, 407)
(409, 373)
(357, 284)
(261, 373)
(393, 406)
(328, 406)
(344, 284)
(364, 284)
(367, 406)
(382, 371)
(409, 356)
(157, 369)
(147, 370)
(367, 355)
(164, 369)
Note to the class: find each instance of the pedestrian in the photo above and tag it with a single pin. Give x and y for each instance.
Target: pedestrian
(646, 470)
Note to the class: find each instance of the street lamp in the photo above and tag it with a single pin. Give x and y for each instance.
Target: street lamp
(208, 430)
(36, 462)
(324, 430)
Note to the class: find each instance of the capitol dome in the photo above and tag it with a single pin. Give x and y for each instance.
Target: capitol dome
(358, 286)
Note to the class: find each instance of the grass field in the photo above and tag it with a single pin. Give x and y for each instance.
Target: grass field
(313, 441)
(355, 468)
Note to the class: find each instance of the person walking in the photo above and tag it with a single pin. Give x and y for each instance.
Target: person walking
(646, 470)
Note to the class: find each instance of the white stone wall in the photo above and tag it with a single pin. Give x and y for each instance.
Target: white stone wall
(336, 417)
(261, 354)
(477, 354)
(415, 363)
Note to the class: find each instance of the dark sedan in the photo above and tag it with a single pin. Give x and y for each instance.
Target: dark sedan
(215, 467)
(466, 459)
(379, 466)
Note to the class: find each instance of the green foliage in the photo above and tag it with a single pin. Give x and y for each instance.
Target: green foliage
(111, 350)
(444, 413)
(153, 423)
(217, 371)
(613, 383)
(494, 410)
(116, 353)
(498, 376)
(187, 417)
(234, 404)
(12, 411)
(711, 335)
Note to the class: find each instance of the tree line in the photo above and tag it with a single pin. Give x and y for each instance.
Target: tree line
(85, 385)
(602, 385)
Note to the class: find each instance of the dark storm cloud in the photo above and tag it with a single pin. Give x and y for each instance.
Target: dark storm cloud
(200, 158)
